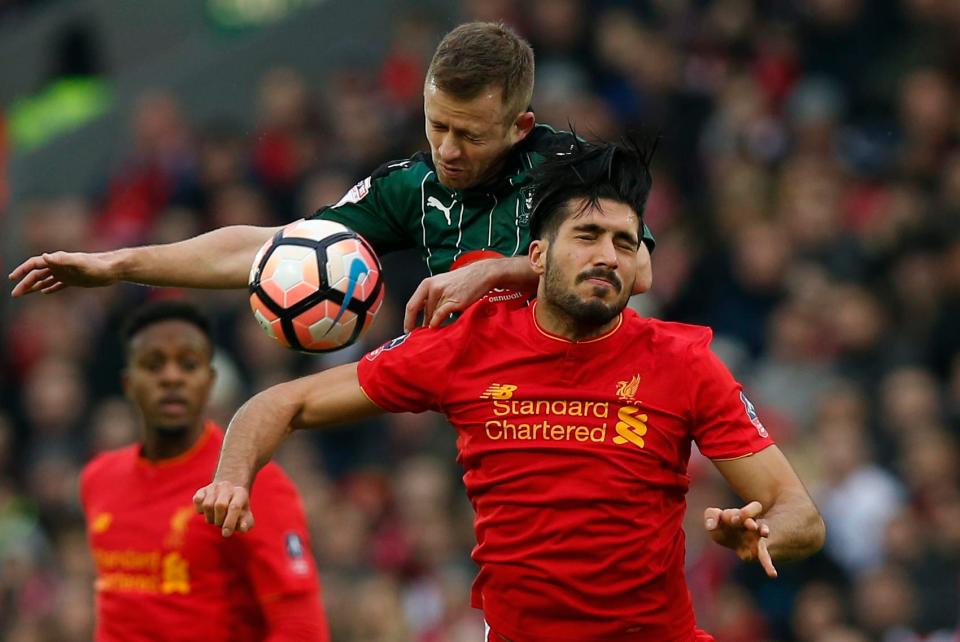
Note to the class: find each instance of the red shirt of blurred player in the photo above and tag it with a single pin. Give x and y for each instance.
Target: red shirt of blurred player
(575, 452)
(162, 573)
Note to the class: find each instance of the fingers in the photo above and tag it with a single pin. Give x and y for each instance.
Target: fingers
(444, 310)
(235, 517)
(763, 556)
(226, 505)
(33, 263)
(753, 509)
(711, 518)
(434, 298)
(414, 305)
(31, 272)
(198, 499)
(56, 287)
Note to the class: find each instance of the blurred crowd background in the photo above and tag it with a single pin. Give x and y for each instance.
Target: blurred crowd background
(807, 207)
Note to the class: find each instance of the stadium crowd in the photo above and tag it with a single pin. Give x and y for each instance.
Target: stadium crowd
(806, 205)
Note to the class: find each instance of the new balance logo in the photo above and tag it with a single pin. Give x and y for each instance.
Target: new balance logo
(498, 391)
(630, 428)
(434, 202)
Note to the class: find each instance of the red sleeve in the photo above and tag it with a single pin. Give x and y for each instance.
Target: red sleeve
(725, 423)
(276, 552)
(296, 618)
(410, 373)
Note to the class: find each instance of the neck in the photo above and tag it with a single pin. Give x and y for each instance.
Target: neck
(159, 444)
(555, 321)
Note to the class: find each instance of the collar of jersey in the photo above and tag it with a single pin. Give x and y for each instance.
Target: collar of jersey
(557, 337)
(208, 430)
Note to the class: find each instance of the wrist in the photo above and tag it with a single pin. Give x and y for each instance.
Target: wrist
(121, 264)
(511, 273)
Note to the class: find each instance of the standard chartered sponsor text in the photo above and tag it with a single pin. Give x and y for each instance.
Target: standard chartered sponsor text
(512, 427)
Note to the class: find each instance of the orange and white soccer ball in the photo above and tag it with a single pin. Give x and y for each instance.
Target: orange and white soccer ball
(316, 286)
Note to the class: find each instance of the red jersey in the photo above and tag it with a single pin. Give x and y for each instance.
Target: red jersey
(163, 573)
(575, 457)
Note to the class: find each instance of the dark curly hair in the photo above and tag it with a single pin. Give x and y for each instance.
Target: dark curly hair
(590, 171)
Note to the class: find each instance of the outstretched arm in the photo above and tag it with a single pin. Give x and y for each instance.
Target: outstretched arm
(217, 259)
(445, 294)
(779, 522)
(260, 425)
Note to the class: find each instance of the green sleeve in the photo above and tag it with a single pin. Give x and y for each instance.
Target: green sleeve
(379, 208)
(648, 238)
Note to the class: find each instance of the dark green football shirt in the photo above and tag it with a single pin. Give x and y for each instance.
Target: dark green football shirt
(403, 205)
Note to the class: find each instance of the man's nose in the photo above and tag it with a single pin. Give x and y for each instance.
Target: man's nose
(171, 373)
(449, 148)
(606, 253)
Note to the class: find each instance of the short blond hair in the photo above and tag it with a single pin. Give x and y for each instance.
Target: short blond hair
(477, 55)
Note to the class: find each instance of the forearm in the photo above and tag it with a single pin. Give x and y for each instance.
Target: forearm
(259, 427)
(254, 434)
(217, 259)
(796, 528)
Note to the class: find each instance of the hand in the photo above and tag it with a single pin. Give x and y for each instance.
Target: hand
(444, 294)
(742, 530)
(224, 504)
(644, 280)
(49, 273)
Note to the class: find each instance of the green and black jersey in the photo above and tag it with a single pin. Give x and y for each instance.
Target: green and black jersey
(403, 205)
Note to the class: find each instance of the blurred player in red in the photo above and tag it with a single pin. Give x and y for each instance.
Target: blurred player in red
(162, 574)
(575, 419)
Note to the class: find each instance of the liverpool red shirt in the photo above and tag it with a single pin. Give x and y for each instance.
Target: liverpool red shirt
(163, 573)
(575, 460)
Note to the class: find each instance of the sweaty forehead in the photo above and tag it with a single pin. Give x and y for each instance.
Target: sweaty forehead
(169, 335)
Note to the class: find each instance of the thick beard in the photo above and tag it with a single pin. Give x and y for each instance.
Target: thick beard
(584, 315)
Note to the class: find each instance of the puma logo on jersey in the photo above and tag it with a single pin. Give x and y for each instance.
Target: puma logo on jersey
(434, 202)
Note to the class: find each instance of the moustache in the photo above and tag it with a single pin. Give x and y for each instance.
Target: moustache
(607, 275)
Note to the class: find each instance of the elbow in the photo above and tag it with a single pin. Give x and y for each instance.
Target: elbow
(818, 532)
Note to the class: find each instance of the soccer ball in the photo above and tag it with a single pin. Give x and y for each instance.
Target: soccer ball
(316, 286)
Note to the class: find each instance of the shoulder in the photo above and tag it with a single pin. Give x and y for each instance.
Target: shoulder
(671, 338)
(546, 141)
(414, 168)
(497, 315)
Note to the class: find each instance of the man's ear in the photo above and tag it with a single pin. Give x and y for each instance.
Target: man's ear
(522, 126)
(538, 255)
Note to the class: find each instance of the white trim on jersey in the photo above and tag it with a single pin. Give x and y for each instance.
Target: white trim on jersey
(423, 219)
(516, 222)
(459, 232)
(490, 222)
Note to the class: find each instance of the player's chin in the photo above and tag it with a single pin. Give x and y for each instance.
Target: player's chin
(168, 420)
